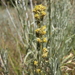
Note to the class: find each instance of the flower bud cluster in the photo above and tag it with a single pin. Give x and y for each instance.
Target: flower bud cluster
(39, 12)
(45, 52)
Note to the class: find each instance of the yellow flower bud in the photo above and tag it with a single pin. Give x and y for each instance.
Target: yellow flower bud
(37, 16)
(34, 10)
(38, 70)
(39, 40)
(44, 39)
(45, 54)
(37, 30)
(43, 13)
(42, 7)
(45, 49)
(43, 27)
(35, 63)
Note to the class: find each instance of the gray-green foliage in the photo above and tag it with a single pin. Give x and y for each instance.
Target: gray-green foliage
(61, 33)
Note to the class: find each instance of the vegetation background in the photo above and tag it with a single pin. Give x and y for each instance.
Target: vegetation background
(17, 47)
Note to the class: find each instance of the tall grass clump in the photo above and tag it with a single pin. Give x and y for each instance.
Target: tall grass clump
(44, 38)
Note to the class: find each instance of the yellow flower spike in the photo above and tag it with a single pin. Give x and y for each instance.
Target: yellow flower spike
(39, 40)
(44, 40)
(35, 63)
(38, 70)
(37, 16)
(45, 49)
(43, 13)
(45, 54)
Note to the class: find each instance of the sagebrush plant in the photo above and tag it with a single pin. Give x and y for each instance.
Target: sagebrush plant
(44, 38)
